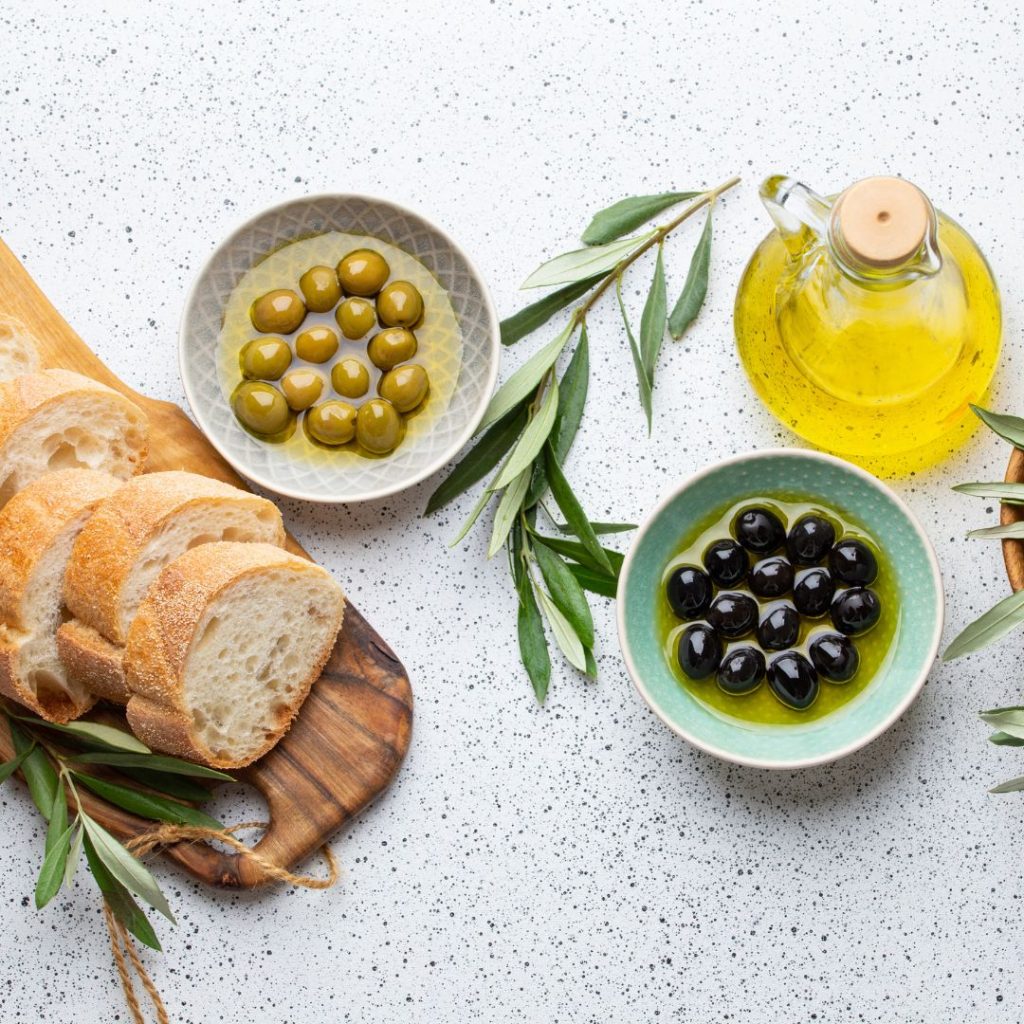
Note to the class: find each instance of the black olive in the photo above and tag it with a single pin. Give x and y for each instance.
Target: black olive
(853, 562)
(810, 539)
(779, 629)
(835, 657)
(699, 651)
(733, 615)
(812, 592)
(791, 677)
(726, 562)
(742, 670)
(771, 577)
(759, 530)
(689, 592)
(856, 610)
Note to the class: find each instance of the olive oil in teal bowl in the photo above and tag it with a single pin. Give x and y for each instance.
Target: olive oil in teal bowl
(757, 728)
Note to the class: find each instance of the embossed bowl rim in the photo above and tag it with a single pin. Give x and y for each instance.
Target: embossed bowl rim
(494, 334)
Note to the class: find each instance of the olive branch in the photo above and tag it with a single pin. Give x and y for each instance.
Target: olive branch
(532, 420)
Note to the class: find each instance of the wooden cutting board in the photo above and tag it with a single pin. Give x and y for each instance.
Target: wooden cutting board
(352, 733)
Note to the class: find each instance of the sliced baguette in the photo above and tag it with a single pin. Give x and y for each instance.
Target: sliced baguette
(19, 352)
(224, 649)
(55, 419)
(38, 527)
(149, 522)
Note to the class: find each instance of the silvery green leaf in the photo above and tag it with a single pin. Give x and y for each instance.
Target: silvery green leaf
(643, 381)
(74, 854)
(583, 263)
(1004, 739)
(129, 871)
(566, 592)
(628, 214)
(566, 638)
(105, 735)
(52, 872)
(508, 508)
(574, 514)
(994, 624)
(652, 320)
(536, 433)
(526, 378)
(58, 818)
(1009, 428)
(1010, 786)
(8, 768)
(39, 773)
(533, 645)
(1012, 531)
(537, 314)
(473, 516)
(695, 288)
(1011, 494)
(1007, 720)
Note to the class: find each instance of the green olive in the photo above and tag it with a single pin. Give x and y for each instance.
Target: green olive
(404, 387)
(265, 359)
(363, 272)
(400, 305)
(277, 312)
(260, 407)
(332, 422)
(316, 345)
(355, 317)
(390, 347)
(350, 378)
(302, 388)
(320, 288)
(378, 426)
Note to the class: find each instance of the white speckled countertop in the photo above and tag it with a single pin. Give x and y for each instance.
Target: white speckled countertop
(577, 863)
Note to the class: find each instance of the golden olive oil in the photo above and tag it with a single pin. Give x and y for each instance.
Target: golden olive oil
(874, 647)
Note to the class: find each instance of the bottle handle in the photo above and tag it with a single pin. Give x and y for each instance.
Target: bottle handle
(800, 214)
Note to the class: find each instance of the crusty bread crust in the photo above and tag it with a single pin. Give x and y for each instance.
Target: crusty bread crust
(30, 522)
(161, 636)
(107, 549)
(24, 397)
(92, 661)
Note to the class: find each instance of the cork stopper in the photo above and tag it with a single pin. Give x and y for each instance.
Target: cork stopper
(882, 221)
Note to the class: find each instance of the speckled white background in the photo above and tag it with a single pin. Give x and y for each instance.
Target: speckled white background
(577, 863)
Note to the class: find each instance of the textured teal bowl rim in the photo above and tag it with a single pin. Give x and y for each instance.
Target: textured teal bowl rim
(871, 712)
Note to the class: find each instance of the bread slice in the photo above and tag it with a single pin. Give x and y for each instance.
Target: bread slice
(38, 527)
(19, 352)
(224, 649)
(149, 522)
(55, 419)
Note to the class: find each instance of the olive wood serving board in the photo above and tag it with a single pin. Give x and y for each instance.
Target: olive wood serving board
(348, 740)
(1013, 550)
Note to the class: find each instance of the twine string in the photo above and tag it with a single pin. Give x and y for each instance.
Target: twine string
(166, 834)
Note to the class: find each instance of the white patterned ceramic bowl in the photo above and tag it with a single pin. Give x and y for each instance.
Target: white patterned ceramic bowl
(348, 477)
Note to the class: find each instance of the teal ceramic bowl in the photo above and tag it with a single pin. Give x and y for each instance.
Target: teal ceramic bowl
(850, 491)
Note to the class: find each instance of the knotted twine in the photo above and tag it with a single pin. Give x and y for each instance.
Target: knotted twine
(164, 835)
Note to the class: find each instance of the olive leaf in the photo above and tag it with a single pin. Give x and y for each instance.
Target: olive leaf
(8, 768)
(179, 786)
(74, 854)
(482, 458)
(578, 553)
(125, 868)
(1010, 786)
(526, 378)
(508, 509)
(537, 314)
(652, 320)
(695, 288)
(643, 381)
(533, 438)
(583, 263)
(599, 528)
(1011, 531)
(568, 642)
(566, 592)
(594, 581)
(573, 511)
(1009, 428)
(572, 397)
(106, 737)
(147, 805)
(151, 763)
(1008, 493)
(1007, 720)
(1004, 739)
(58, 819)
(628, 214)
(52, 872)
(39, 773)
(533, 646)
(994, 624)
(117, 897)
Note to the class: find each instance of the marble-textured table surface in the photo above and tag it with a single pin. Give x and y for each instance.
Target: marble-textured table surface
(576, 863)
